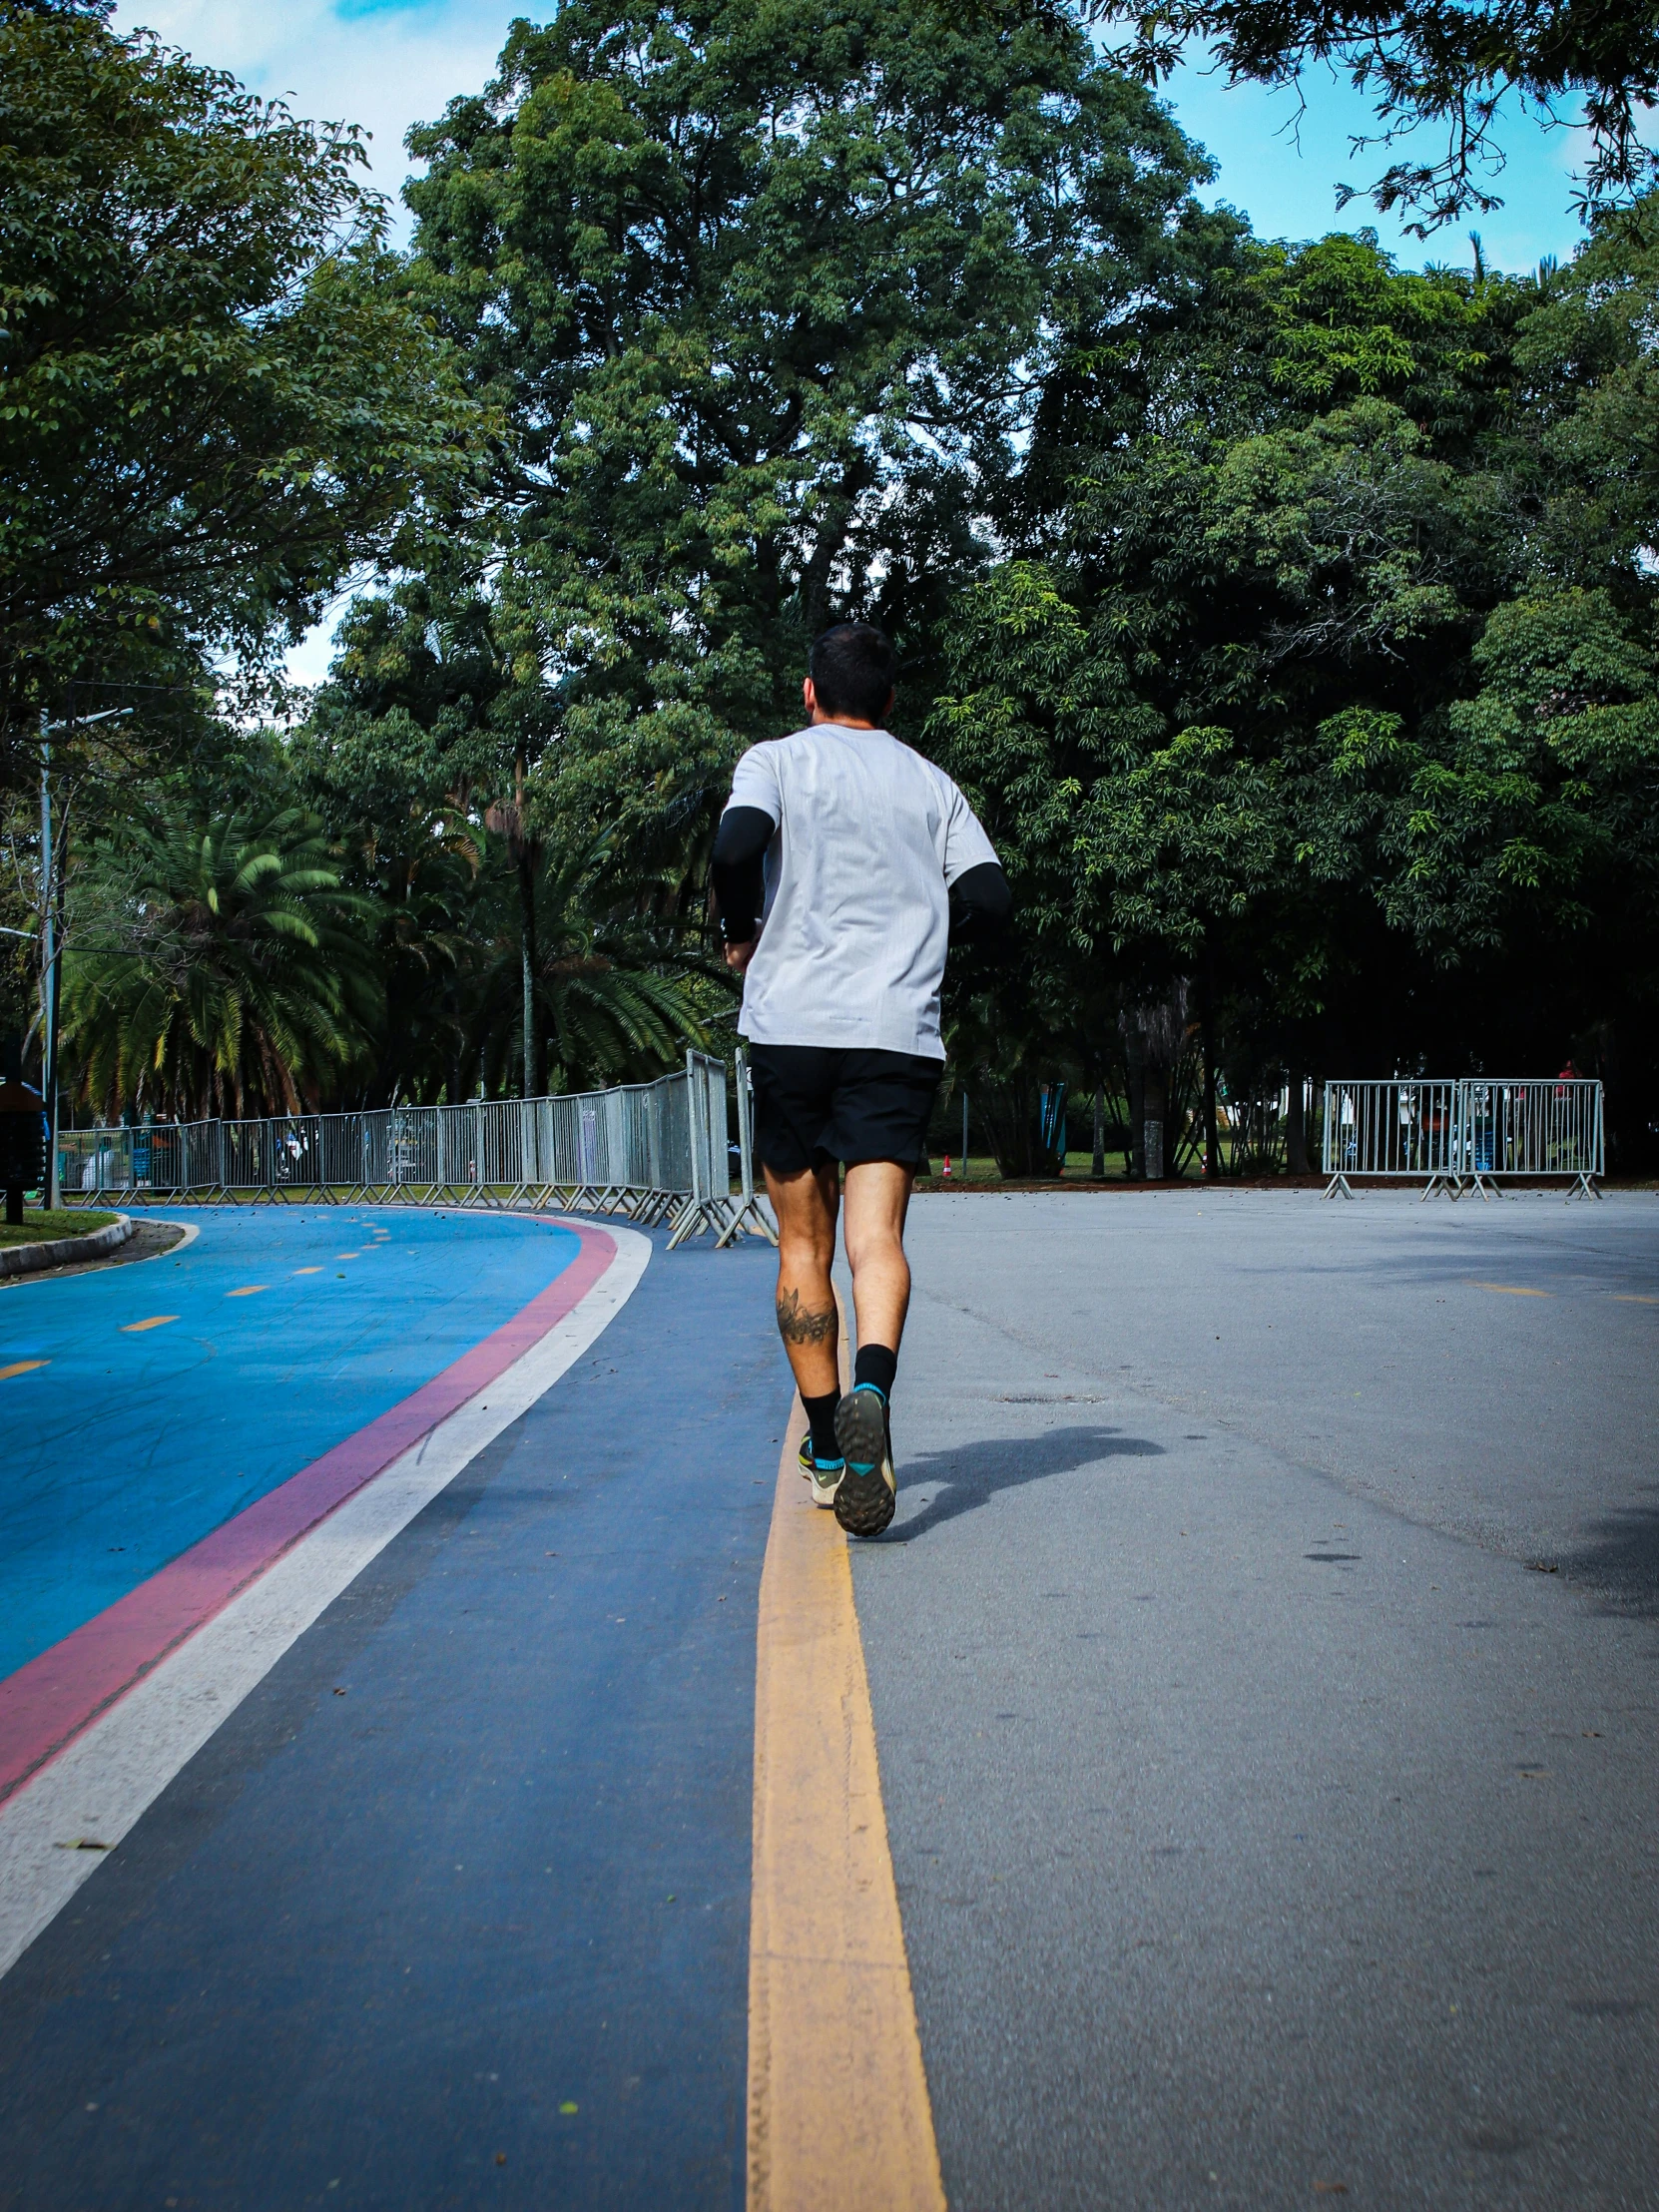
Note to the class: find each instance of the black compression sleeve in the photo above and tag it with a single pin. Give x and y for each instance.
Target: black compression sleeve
(980, 904)
(735, 872)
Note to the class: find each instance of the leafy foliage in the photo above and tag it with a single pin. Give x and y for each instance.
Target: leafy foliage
(764, 300)
(1289, 617)
(222, 971)
(215, 399)
(1440, 62)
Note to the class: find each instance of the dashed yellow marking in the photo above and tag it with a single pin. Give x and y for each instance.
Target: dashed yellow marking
(1512, 1289)
(308, 1270)
(1630, 1298)
(21, 1366)
(137, 1328)
(247, 1290)
(347, 1255)
(838, 2111)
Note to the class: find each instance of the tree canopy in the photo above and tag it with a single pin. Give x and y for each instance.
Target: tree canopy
(216, 396)
(1288, 615)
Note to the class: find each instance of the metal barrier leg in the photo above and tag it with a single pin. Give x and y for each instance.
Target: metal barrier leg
(748, 1216)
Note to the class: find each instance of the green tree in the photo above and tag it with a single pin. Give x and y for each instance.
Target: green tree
(215, 397)
(765, 300)
(218, 966)
(602, 989)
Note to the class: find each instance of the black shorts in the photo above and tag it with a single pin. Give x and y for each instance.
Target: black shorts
(814, 1103)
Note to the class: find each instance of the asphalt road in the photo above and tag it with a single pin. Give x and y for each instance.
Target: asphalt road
(454, 1910)
(1269, 1823)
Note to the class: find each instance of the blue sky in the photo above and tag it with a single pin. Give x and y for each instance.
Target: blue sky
(390, 63)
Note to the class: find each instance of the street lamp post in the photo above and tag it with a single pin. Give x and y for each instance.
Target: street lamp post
(51, 976)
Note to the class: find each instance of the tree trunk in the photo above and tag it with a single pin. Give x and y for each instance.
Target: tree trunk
(1155, 1147)
(1097, 1166)
(1295, 1126)
(1136, 1057)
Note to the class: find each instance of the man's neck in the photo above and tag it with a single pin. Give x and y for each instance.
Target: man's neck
(841, 722)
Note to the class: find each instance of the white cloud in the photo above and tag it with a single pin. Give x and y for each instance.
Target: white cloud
(387, 68)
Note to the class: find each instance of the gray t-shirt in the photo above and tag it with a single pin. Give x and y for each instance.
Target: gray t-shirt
(857, 917)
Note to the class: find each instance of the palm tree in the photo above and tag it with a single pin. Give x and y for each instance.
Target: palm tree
(215, 964)
(601, 994)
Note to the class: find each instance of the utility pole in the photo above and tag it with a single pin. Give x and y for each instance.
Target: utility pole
(51, 901)
(47, 971)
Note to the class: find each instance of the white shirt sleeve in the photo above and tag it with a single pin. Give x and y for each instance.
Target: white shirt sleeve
(754, 782)
(965, 842)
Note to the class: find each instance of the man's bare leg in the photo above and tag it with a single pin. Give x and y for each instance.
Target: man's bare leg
(807, 1319)
(877, 1194)
(877, 1198)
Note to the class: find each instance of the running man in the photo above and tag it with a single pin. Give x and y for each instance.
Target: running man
(842, 863)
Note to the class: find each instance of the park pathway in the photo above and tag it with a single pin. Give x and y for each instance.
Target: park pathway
(1263, 1675)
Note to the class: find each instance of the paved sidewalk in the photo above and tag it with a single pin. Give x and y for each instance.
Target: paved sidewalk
(1265, 1829)
(453, 1911)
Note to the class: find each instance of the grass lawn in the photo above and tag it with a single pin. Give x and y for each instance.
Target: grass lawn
(65, 1220)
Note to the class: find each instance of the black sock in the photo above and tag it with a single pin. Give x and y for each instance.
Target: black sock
(876, 1364)
(820, 1411)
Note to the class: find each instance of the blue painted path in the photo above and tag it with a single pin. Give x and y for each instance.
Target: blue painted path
(453, 1911)
(173, 1391)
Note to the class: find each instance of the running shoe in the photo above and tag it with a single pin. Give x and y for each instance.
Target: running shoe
(868, 1492)
(826, 1482)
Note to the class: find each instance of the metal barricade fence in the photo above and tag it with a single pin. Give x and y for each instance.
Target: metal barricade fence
(649, 1151)
(1461, 1134)
(1405, 1131)
(1534, 1126)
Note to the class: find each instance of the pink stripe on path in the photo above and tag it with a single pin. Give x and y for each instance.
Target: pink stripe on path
(46, 1704)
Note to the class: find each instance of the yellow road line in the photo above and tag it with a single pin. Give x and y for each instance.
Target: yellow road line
(137, 1328)
(248, 1291)
(1512, 1289)
(1629, 1298)
(840, 2119)
(308, 1270)
(21, 1366)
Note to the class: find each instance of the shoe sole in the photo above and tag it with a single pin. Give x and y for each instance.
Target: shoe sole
(865, 1503)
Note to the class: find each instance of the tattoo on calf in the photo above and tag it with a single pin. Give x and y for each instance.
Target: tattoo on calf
(797, 1327)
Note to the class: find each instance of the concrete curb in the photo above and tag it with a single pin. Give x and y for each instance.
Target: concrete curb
(63, 1251)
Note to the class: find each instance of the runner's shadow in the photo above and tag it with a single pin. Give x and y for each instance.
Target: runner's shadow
(1621, 1559)
(969, 1475)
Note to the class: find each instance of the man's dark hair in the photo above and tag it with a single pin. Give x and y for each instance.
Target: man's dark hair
(854, 669)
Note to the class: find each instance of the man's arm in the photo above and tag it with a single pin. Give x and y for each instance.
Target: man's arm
(981, 902)
(739, 877)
